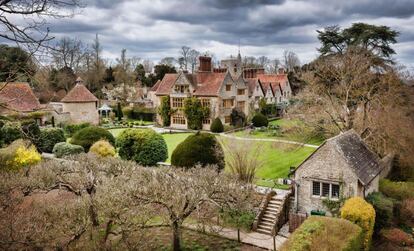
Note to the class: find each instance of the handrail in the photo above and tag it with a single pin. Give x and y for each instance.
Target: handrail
(262, 209)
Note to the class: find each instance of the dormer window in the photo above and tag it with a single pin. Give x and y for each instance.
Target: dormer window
(181, 88)
(228, 88)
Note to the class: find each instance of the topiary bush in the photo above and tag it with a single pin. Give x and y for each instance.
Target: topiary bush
(49, 137)
(9, 132)
(64, 149)
(259, 120)
(18, 154)
(103, 148)
(217, 126)
(200, 148)
(86, 137)
(143, 146)
(71, 129)
(384, 207)
(360, 212)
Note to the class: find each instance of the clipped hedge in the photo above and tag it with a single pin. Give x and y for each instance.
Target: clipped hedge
(143, 146)
(259, 120)
(9, 132)
(139, 113)
(200, 148)
(360, 212)
(325, 233)
(86, 137)
(398, 190)
(64, 149)
(217, 126)
(384, 207)
(49, 137)
(71, 129)
(103, 148)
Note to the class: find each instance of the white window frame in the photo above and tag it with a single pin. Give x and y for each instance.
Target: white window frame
(320, 196)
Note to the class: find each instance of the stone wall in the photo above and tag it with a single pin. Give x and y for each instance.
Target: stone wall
(82, 112)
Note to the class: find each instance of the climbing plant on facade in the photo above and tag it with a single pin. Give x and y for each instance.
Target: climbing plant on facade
(195, 112)
(165, 111)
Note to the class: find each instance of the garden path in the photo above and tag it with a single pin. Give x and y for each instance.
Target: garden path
(269, 140)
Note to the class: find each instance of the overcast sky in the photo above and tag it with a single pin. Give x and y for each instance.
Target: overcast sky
(158, 28)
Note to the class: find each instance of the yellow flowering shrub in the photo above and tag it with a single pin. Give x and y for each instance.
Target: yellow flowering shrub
(103, 148)
(360, 212)
(19, 154)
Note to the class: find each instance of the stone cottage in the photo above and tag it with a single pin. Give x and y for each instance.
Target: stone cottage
(343, 166)
(81, 104)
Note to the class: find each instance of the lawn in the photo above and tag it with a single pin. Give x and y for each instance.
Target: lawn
(277, 157)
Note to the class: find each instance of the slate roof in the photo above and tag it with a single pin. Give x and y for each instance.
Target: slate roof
(18, 96)
(79, 94)
(359, 157)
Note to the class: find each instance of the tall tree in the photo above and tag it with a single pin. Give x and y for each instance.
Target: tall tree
(15, 64)
(184, 57)
(290, 60)
(68, 52)
(170, 61)
(373, 38)
(193, 59)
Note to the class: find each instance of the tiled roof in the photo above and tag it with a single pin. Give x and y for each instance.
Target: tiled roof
(266, 86)
(251, 84)
(282, 79)
(276, 88)
(154, 88)
(79, 94)
(204, 83)
(19, 96)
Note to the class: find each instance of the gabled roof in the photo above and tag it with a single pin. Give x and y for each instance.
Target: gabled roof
(251, 85)
(266, 86)
(282, 79)
(79, 94)
(210, 84)
(154, 88)
(276, 88)
(166, 84)
(18, 96)
(364, 163)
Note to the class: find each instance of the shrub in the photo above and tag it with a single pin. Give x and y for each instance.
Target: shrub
(398, 190)
(383, 210)
(49, 137)
(195, 112)
(9, 132)
(397, 236)
(360, 212)
(71, 129)
(89, 135)
(407, 212)
(139, 113)
(259, 120)
(325, 233)
(200, 148)
(31, 130)
(63, 149)
(19, 154)
(240, 219)
(144, 146)
(217, 126)
(237, 117)
(103, 148)
(165, 111)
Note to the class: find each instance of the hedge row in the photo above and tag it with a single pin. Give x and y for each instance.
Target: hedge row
(140, 113)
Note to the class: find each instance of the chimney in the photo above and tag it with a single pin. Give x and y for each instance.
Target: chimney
(205, 64)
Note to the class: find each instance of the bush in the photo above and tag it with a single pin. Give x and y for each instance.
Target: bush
(19, 154)
(259, 120)
(200, 148)
(360, 212)
(63, 149)
(49, 137)
(89, 135)
(139, 113)
(31, 130)
(217, 126)
(397, 236)
(165, 111)
(195, 112)
(144, 146)
(103, 148)
(71, 129)
(383, 210)
(239, 219)
(397, 190)
(237, 117)
(325, 233)
(9, 132)
(407, 212)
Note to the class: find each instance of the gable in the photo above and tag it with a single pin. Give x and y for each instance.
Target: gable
(18, 97)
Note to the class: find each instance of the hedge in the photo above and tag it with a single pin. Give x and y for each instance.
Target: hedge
(86, 137)
(49, 137)
(384, 207)
(200, 148)
(144, 146)
(103, 148)
(259, 120)
(360, 212)
(397, 189)
(139, 113)
(9, 132)
(217, 126)
(325, 233)
(71, 129)
(63, 149)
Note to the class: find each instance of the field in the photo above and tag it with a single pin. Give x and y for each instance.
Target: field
(277, 157)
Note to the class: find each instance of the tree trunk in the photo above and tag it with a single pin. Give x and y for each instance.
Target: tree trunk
(176, 236)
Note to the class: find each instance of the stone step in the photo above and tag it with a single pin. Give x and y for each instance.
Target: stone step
(268, 218)
(271, 214)
(262, 231)
(268, 227)
(266, 223)
(272, 209)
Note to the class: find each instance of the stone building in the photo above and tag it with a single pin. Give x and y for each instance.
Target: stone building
(17, 97)
(81, 104)
(341, 167)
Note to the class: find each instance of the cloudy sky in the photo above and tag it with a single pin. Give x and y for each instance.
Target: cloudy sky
(158, 28)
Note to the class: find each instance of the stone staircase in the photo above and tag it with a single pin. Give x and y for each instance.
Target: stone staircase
(270, 215)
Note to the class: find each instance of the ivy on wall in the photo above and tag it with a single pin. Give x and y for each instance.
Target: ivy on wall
(165, 111)
(195, 112)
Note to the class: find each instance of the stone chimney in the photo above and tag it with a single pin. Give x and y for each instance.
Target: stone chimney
(205, 64)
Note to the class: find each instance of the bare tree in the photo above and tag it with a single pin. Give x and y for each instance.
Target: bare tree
(68, 53)
(274, 65)
(193, 59)
(290, 60)
(263, 61)
(148, 65)
(34, 14)
(184, 57)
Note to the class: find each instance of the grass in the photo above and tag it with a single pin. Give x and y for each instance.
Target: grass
(277, 157)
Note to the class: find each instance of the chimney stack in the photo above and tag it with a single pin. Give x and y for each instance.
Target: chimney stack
(205, 64)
